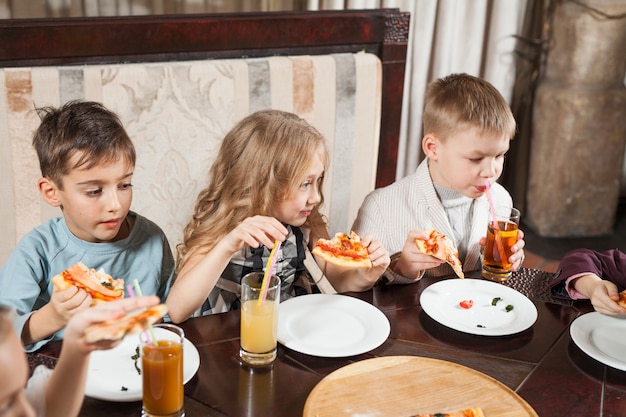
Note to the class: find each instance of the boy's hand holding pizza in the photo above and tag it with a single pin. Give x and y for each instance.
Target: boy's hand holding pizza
(413, 262)
(66, 303)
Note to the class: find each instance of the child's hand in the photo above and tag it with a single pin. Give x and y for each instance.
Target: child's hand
(412, 262)
(602, 293)
(68, 302)
(75, 330)
(604, 298)
(379, 257)
(255, 231)
(517, 258)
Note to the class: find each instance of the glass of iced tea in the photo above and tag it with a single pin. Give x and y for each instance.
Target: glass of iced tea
(501, 236)
(259, 320)
(162, 371)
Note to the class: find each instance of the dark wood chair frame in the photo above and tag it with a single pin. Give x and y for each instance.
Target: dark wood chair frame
(71, 41)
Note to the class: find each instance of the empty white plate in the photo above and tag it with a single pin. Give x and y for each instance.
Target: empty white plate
(601, 337)
(331, 325)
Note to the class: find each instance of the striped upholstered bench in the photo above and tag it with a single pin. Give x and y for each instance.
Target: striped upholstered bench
(178, 112)
(179, 83)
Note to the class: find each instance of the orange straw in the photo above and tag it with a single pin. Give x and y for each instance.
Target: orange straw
(496, 225)
(268, 273)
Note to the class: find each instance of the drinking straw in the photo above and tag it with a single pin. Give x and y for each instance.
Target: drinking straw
(496, 225)
(150, 333)
(268, 273)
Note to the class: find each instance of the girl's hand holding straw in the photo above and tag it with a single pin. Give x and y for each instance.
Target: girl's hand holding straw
(269, 271)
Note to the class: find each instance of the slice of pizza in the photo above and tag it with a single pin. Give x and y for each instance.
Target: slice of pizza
(343, 250)
(439, 246)
(622, 299)
(469, 412)
(98, 284)
(132, 322)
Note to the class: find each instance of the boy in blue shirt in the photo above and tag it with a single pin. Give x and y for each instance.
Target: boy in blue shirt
(87, 162)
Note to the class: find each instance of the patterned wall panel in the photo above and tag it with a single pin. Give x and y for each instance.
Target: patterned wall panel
(177, 113)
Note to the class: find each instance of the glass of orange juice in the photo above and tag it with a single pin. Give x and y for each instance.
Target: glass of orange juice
(259, 320)
(162, 371)
(501, 237)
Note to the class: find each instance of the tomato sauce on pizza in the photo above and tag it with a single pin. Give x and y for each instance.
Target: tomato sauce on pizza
(343, 250)
(439, 246)
(98, 284)
(132, 322)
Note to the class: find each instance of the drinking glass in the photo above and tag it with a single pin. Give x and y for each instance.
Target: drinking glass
(162, 371)
(259, 319)
(501, 237)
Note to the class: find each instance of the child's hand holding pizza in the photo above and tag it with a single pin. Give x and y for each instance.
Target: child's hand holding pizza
(379, 258)
(603, 294)
(104, 325)
(364, 256)
(64, 304)
(412, 262)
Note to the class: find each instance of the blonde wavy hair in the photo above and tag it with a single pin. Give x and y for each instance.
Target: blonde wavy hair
(260, 163)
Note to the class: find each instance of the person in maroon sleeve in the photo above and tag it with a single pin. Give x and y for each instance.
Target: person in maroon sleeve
(593, 275)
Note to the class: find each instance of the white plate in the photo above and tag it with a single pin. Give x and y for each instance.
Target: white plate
(331, 325)
(110, 370)
(601, 337)
(441, 302)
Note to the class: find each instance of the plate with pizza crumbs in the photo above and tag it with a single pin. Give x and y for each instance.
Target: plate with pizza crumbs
(601, 337)
(331, 325)
(112, 375)
(394, 386)
(478, 307)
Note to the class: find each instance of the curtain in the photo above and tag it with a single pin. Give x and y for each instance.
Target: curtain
(447, 36)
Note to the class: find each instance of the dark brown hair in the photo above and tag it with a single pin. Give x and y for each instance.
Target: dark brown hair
(85, 128)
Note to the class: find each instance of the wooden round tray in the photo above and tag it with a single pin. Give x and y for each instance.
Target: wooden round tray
(404, 386)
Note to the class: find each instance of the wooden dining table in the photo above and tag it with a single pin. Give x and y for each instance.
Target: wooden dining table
(541, 364)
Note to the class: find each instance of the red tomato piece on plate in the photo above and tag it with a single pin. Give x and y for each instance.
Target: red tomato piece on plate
(466, 304)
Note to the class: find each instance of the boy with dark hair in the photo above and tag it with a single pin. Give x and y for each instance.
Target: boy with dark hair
(87, 162)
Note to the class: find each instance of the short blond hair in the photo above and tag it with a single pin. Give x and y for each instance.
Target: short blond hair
(461, 101)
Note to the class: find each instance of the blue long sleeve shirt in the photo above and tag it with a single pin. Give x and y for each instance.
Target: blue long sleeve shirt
(51, 248)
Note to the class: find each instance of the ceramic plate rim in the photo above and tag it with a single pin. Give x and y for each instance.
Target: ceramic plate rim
(525, 312)
(582, 329)
(375, 321)
(94, 388)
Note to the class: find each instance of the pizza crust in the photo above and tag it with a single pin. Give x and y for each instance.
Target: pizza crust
(133, 322)
(343, 250)
(439, 246)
